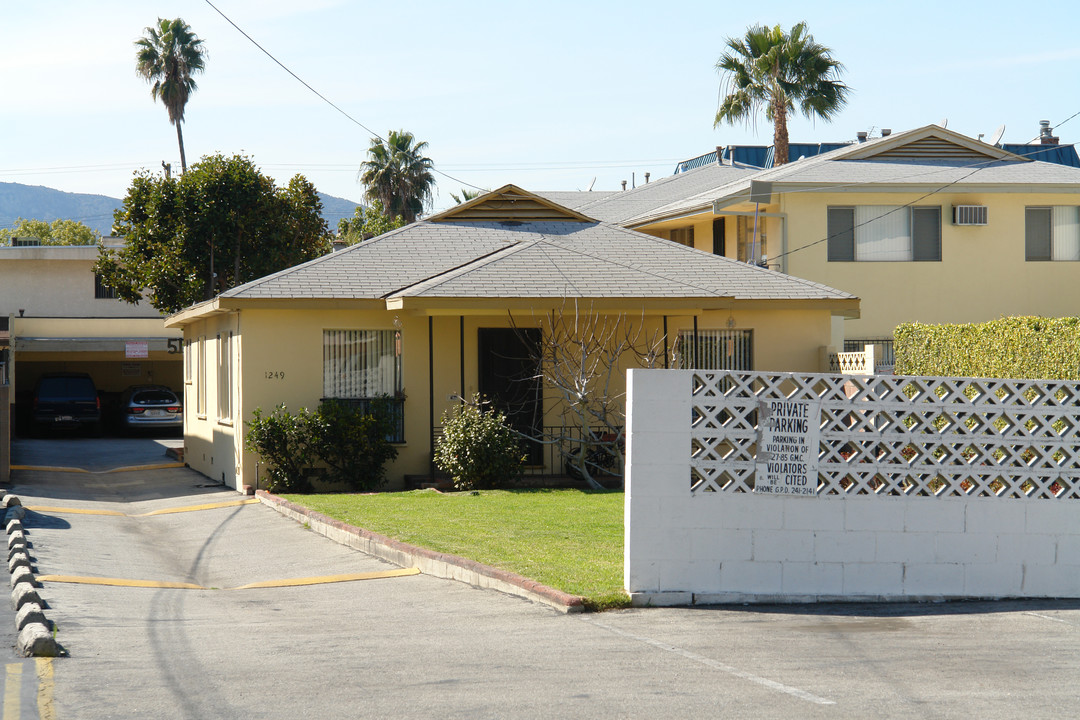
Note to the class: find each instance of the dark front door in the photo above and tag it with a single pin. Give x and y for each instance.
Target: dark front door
(508, 365)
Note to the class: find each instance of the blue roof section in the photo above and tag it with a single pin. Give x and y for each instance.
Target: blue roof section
(1058, 154)
(759, 156)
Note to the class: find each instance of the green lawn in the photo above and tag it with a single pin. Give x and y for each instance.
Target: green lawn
(571, 540)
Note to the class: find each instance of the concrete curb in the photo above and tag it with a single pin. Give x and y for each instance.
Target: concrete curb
(436, 564)
(36, 637)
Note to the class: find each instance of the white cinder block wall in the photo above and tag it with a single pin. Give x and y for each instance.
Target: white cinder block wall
(683, 548)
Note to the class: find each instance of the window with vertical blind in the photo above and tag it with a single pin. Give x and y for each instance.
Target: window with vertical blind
(224, 376)
(752, 246)
(1052, 233)
(200, 385)
(361, 363)
(884, 233)
(716, 350)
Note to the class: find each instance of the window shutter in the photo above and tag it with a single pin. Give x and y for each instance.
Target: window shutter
(1037, 234)
(926, 233)
(841, 229)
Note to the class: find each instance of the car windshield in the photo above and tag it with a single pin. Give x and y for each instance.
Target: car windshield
(154, 397)
(67, 387)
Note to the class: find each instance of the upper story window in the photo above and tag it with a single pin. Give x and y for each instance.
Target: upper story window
(752, 240)
(884, 233)
(101, 290)
(683, 236)
(1052, 233)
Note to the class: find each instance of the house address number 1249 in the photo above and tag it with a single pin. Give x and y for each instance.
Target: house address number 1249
(275, 374)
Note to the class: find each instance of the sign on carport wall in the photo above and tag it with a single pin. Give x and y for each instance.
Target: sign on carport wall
(787, 448)
(136, 349)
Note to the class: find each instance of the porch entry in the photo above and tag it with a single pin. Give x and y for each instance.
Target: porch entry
(507, 366)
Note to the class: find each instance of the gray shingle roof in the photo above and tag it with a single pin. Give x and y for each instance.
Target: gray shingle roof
(541, 259)
(618, 207)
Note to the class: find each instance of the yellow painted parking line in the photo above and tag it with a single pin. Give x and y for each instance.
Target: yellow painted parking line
(119, 582)
(126, 468)
(12, 692)
(72, 511)
(293, 582)
(323, 579)
(46, 711)
(164, 511)
(193, 508)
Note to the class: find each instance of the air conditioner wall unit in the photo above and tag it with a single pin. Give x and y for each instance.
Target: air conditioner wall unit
(969, 214)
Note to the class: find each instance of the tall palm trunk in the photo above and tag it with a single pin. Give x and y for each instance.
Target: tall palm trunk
(180, 139)
(780, 134)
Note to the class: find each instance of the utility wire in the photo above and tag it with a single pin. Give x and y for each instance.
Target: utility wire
(323, 97)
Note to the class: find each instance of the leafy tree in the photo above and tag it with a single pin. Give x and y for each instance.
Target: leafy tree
(59, 232)
(466, 195)
(167, 57)
(218, 226)
(367, 223)
(780, 72)
(398, 174)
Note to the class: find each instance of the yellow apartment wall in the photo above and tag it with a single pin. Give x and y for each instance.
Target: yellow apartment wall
(61, 327)
(982, 274)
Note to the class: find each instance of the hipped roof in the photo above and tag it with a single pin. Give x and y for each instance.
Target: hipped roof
(568, 255)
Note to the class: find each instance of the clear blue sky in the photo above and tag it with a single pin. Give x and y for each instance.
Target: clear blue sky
(545, 95)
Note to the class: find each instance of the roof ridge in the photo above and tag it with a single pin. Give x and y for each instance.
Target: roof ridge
(458, 270)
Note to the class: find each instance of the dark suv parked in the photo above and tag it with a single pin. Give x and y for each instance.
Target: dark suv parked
(66, 400)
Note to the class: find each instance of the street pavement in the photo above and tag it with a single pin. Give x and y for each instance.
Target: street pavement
(421, 647)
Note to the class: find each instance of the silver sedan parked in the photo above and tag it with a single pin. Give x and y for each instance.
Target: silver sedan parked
(146, 407)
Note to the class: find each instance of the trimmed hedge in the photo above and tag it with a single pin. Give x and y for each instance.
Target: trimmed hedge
(1014, 347)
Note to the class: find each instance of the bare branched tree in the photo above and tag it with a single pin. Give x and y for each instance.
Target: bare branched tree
(578, 359)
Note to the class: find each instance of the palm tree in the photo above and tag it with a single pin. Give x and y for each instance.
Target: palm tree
(167, 57)
(466, 195)
(781, 72)
(398, 174)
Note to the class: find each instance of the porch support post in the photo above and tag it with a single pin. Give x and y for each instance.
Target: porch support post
(431, 395)
(696, 366)
(461, 360)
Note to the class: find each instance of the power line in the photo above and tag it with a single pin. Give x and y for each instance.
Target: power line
(323, 97)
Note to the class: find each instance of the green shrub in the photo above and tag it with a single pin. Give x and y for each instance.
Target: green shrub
(353, 445)
(336, 443)
(478, 449)
(1014, 347)
(283, 441)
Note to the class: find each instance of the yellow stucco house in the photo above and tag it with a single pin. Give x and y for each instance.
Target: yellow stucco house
(926, 225)
(438, 310)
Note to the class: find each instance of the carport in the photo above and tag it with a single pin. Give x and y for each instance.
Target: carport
(129, 351)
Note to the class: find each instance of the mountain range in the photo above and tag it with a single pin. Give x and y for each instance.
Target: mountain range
(35, 202)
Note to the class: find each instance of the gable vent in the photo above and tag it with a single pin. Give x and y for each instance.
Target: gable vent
(969, 215)
(933, 148)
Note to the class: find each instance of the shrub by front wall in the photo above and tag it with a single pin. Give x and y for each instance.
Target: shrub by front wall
(1014, 347)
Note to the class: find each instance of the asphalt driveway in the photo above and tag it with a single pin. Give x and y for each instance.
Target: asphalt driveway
(416, 646)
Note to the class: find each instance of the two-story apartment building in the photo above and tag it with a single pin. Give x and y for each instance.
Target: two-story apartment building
(56, 316)
(926, 225)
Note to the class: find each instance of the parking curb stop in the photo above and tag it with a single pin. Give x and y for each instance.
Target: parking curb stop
(36, 637)
(36, 640)
(22, 594)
